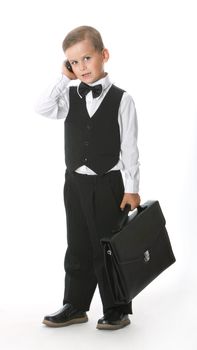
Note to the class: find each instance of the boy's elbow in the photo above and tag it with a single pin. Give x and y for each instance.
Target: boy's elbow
(39, 109)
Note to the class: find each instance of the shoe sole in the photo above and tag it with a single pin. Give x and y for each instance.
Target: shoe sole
(64, 324)
(113, 326)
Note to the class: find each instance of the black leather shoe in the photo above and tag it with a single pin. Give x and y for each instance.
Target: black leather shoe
(65, 316)
(112, 320)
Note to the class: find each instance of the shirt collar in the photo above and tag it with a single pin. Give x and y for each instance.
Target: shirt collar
(105, 82)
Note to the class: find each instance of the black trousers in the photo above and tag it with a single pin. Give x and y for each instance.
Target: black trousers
(92, 204)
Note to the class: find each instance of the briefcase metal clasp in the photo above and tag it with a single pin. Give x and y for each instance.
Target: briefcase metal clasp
(109, 252)
(146, 256)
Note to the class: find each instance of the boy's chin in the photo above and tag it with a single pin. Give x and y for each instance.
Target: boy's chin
(88, 79)
(91, 79)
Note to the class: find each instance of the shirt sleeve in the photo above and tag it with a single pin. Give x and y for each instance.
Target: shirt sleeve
(129, 150)
(54, 101)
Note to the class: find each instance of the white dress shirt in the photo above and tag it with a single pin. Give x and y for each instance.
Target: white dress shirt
(54, 104)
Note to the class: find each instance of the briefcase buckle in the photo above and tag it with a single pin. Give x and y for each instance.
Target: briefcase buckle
(146, 256)
(109, 252)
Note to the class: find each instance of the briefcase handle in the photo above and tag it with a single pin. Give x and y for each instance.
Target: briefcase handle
(124, 217)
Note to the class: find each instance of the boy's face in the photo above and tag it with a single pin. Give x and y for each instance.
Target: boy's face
(87, 63)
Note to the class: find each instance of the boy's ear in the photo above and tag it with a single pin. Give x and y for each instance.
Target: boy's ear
(105, 55)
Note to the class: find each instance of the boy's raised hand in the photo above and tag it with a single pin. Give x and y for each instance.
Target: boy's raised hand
(67, 72)
(130, 198)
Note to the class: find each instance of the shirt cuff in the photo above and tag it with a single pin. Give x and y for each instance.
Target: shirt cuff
(61, 84)
(131, 182)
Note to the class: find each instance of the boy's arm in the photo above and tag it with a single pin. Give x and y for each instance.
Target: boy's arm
(129, 151)
(54, 102)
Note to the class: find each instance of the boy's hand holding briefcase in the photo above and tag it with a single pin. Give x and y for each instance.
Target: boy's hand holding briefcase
(138, 252)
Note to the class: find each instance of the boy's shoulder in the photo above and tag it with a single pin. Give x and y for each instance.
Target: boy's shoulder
(117, 87)
(126, 95)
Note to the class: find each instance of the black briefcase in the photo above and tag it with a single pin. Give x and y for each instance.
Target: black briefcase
(138, 251)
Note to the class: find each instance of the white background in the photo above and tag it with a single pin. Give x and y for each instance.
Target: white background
(154, 57)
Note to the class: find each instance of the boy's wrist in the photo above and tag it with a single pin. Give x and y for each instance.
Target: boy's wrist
(131, 185)
(61, 85)
(65, 79)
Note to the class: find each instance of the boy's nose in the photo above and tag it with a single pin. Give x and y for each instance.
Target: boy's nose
(82, 66)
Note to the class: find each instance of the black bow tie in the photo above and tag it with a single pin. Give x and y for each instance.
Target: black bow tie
(85, 88)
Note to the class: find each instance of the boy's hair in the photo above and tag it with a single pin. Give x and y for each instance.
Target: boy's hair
(82, 33)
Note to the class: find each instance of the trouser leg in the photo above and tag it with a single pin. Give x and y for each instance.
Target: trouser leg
(98, 199)
(80, 279)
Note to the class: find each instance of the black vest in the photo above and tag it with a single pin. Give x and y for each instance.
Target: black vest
(93, 141)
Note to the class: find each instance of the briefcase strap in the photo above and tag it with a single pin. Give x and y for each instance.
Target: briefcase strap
(124, 217)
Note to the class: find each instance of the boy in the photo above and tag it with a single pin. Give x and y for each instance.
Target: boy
(100, 140)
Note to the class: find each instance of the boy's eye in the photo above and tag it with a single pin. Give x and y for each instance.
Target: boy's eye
(87, 58)
(73, 63)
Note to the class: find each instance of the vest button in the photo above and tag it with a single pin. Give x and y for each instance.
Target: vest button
(86, 143)
(88, 126)
(85, 159)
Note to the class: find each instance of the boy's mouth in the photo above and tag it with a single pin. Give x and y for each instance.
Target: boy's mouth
(86, 75)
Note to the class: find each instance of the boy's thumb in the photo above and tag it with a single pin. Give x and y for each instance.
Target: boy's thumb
(122, 205)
